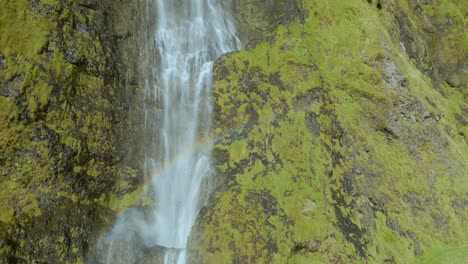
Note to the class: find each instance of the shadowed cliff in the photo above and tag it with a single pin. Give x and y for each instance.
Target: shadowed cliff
(64, 102)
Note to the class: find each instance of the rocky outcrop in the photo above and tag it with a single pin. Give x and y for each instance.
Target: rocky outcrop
(341, 135)
(64, 102)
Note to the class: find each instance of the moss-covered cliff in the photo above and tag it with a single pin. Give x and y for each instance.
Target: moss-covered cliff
(63, 108)
(341, 131)
(342, 135)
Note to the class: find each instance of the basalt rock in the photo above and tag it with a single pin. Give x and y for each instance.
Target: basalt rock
(64, 103)
(341, 132)
(342, 136)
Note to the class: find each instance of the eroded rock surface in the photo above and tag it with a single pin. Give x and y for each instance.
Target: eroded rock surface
(341, 132)
(342, 136)
(64, 102)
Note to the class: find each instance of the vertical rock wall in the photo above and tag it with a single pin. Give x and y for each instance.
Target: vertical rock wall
(64, 104)
(342, 131)
(342, 135)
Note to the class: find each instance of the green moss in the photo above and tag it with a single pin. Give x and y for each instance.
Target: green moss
(456, 255)
(59, 117)
(6, 214)
(15, 27)
(120, 203)
(356, 166)
(9, 112)
(50, 2)
(30, 205)
(238, 151)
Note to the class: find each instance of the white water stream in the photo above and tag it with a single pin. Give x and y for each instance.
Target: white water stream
(188, 36)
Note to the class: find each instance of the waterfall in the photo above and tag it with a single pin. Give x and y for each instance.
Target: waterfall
(189, 36)
(183, 37)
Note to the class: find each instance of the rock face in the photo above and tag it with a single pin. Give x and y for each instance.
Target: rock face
(341, 135)
(341, 132)
(64, 103)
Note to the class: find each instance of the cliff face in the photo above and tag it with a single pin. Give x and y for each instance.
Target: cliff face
(341, 131)
(63, 106)
(342, 135)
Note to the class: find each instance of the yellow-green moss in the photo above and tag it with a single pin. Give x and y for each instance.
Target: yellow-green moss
(8, 112)
(59, 121)
(17, 34)
(313, 129)
(455, 255)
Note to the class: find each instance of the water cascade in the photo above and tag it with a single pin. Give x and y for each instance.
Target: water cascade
(188, 35)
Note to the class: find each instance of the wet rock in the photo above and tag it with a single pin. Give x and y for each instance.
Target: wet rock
(352, 143)
(60, 117)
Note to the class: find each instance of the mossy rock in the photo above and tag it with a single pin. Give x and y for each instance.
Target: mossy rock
(339, 143)
(61, 127)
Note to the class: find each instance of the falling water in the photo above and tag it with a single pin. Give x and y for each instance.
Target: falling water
(187, 37)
